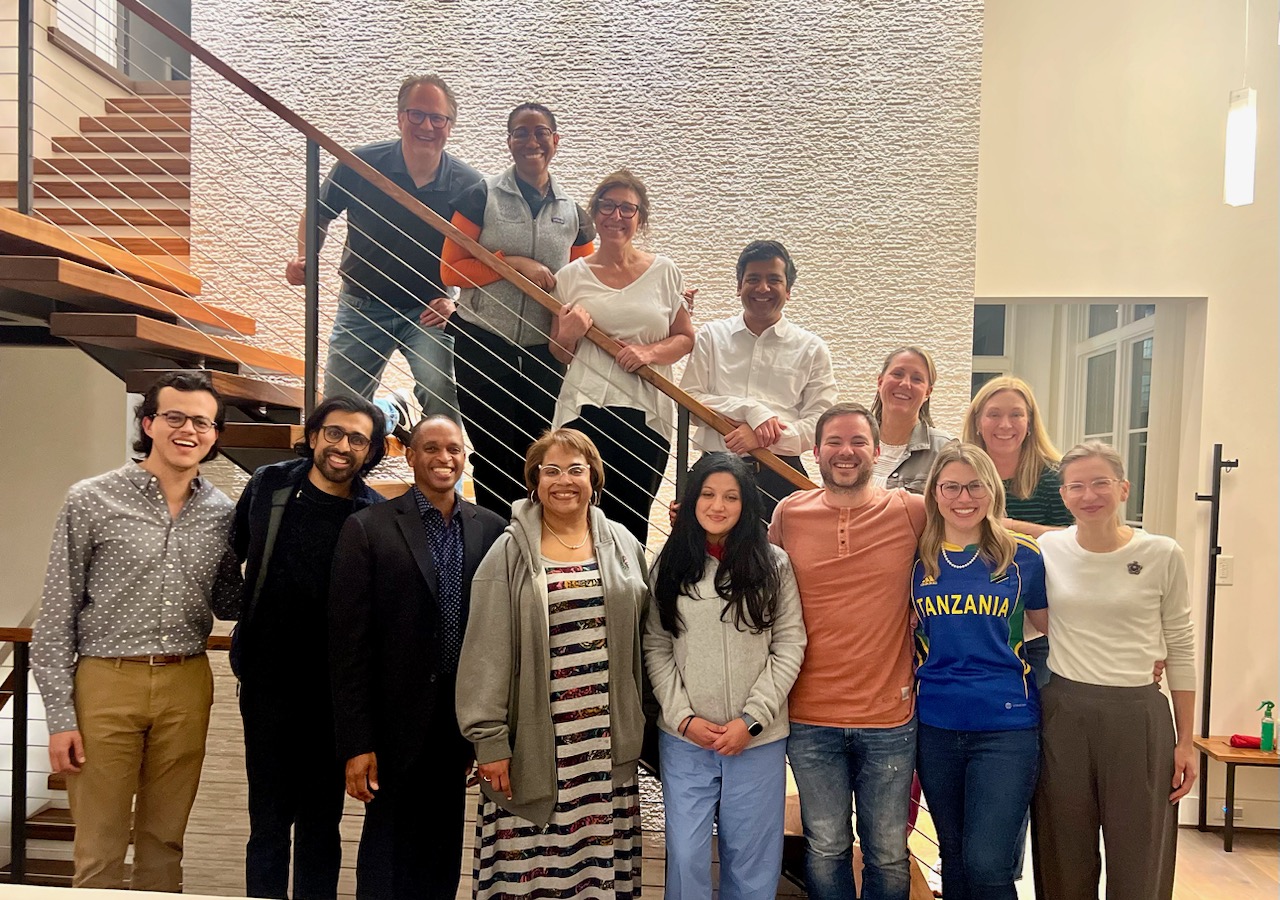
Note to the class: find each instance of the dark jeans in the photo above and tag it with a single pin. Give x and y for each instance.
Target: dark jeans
(506, 395)
(634, 458)
(774, 487)
(978, 785)
(295, 784)
(411, 846)
(874, 766)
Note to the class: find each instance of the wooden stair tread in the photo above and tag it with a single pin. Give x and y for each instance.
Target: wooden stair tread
(59, 188)
(260, 436)
(133, 122)
(93, 289)
(159, 104)
(130, 332)
(52, 824)
(113, 165)
(160, 245)
(105, 215)
(235, 389)
(133, 143)
(54, 815)
(28, 236)
(56, 781)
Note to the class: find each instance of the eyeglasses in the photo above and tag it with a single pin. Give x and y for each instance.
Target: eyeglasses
(577, 470)
(418, 116)
(542, 133)
(1099, 486)
(334, 435)
(175, 420)
(952, 489)
(607, 208)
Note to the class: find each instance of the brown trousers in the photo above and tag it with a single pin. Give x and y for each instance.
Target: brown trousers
(1106, 762)
(144, 730)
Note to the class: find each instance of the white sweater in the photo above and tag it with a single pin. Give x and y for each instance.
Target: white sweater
(1112, 615)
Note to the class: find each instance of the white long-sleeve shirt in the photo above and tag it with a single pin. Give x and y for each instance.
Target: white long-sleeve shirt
(1112, 615)
(784, 372)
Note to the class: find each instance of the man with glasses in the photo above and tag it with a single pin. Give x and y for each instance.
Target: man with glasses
(287, 525)
(853, 727)
(398, 610)
(392, 297)
(140, 563)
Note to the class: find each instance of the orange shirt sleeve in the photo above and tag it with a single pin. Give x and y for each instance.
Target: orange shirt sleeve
(458, 268)
(577, 251)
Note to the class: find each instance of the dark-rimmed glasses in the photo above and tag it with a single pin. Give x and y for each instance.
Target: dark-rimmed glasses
(176, 420)
(952, 489)
(542, 133)
(607, 208)
(334, 435)
(418, 116)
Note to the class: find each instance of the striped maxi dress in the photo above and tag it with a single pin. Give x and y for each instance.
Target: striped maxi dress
(591, 848)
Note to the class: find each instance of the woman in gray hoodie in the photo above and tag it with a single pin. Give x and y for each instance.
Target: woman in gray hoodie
(723, 643)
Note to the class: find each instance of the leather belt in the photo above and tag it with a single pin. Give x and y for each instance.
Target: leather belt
(158, 660)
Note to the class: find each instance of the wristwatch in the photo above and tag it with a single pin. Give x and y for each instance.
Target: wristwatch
(753, 727)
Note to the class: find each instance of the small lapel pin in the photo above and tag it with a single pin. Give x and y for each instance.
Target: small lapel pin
(1135, 568)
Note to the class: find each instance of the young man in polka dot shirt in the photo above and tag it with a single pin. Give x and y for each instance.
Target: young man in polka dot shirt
(140, 563)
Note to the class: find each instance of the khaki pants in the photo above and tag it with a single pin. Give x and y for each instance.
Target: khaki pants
(144, 730)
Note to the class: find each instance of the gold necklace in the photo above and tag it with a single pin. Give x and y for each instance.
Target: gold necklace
(578, 546)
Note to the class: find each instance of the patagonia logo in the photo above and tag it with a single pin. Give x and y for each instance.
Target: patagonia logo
(558, 220)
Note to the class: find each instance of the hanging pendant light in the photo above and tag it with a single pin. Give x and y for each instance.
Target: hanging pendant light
(1242, 136)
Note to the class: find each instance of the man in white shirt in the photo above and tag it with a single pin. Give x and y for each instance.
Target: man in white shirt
(769, 377)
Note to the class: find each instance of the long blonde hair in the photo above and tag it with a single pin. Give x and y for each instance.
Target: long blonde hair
(1037, 452)
(996, 545)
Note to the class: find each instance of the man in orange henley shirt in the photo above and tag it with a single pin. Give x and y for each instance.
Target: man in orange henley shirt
(853, 725)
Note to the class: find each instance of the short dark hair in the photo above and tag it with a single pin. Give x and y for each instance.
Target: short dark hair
(343, 403)
(763, 251)
(530, 107)
(413, 81)
(180, 380)
(434, 417)
(846, 409)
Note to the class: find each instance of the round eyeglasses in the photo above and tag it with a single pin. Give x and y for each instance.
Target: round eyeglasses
(952, 489)
(176, 420)
(418, 116)
(334, 435)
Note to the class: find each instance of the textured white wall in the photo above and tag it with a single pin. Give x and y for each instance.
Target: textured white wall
(848, 131)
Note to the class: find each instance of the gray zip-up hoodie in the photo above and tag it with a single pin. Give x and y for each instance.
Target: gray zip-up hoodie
(718, 672)
(504, 680)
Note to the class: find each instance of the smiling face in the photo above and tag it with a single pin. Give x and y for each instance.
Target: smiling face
(964, 512)
(181, 448)
(532, 143)
(763, 291)
(904, 386)
(847, 454)
(614, 228)
(339, 463)
(719, 506)
(425, 137)
(437, 456)
(1003, 423)
(562, 493)
(1092, 491)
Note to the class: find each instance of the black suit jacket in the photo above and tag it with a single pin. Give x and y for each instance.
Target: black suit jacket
(384, 621)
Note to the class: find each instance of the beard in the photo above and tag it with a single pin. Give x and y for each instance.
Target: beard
(337, 476)
(861, 477)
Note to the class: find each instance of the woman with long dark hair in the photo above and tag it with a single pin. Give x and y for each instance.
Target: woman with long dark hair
(723, 644)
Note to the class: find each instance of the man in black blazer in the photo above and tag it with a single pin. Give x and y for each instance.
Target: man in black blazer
(398, 604)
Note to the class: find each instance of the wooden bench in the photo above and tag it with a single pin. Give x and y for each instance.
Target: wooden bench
(1220, 749)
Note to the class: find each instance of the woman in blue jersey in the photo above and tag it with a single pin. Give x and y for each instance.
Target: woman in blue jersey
(977, 702)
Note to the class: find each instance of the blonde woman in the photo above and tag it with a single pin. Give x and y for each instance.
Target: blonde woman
(978, 706)
(908, 441)
(1112, 756)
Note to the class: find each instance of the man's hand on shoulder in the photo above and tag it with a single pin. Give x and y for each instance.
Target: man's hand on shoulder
(66, 751)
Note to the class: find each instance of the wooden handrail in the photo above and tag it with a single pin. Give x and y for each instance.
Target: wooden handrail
(436, 221)
(23, 636)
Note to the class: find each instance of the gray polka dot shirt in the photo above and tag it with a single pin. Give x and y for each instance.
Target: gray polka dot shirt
(126, 579)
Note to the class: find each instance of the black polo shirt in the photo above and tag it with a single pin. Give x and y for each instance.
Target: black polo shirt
(391, 254)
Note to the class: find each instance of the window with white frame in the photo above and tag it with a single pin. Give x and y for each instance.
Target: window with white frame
(992, 340)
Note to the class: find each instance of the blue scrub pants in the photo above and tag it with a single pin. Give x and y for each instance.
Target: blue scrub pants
(747, 794)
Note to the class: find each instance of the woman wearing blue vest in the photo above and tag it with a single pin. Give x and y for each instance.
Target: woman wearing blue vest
(977, 701)
(508, 381)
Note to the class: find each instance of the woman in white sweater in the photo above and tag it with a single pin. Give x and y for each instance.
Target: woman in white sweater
(1112, 758)
(723, 644)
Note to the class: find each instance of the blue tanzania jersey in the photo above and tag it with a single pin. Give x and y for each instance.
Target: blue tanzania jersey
(970, 671)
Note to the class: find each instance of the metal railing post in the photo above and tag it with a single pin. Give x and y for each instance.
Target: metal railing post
(682, 449)
(18, 795)
(26, 107)
(312, 336)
